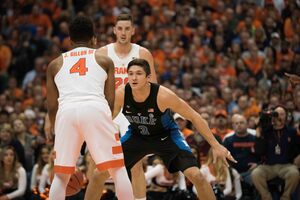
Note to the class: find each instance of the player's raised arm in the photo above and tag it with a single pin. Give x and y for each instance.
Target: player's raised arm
(168, 99)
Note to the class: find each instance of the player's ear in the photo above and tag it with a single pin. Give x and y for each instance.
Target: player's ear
(133, 30)
(149, 77)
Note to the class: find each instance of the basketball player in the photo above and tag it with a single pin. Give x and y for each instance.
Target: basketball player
(122, 52)
(80, 91)
(148, 106)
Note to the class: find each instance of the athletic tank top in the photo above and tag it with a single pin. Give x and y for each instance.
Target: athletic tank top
(145, 118)
(121, 63)
(80, 78)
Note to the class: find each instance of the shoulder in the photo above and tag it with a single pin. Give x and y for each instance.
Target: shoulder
(144, 53)
(21, 170)
(165, 93)
(55, 65)
(103, 50)
(103, 60)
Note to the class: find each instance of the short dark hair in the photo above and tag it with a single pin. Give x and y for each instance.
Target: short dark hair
(81, 29)
(142, 63)
(125, 17)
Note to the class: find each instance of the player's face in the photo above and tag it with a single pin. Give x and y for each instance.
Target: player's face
(124, 30)
(137, 77)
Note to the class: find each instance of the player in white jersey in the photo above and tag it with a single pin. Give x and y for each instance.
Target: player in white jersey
(122, 52)
(80, 97)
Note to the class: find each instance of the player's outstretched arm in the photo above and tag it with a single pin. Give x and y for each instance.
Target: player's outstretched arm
(178, 105)
(52, 93)
(145, 54)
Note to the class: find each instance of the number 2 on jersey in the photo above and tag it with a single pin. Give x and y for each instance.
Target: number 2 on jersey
(119, 81)
(79, 67)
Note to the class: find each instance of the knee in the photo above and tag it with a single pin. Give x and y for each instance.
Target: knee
(292, 175)
(137, 169)
(197, 178)
(100, 175)
(255, 174)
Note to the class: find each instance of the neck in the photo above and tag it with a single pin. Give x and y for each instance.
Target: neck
(242, 134)
(140, 95)
(80, 44)
(122, 49)
(7, 167)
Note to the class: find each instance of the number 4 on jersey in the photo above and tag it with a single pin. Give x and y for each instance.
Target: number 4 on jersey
(79, 67)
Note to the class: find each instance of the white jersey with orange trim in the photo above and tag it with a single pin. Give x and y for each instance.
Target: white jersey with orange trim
(80, 78)
(83, 114)
(121, 77)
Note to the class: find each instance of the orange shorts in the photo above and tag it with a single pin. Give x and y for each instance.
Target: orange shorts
(89, 121)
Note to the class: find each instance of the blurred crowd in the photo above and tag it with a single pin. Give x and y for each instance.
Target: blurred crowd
(225, 58)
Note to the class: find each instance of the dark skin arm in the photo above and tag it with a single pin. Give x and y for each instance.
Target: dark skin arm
(107, 64)
(52, 92)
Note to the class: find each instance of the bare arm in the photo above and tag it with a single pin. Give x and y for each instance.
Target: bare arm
(119, 100)
(180, 106)
(145, 54)
(52, 93)
(109, 90)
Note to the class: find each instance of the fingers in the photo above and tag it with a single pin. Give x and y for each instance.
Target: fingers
(287, 74)
(230, 157)
(225, 162)
(214, 159)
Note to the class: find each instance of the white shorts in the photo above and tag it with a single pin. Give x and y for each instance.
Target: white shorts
(91, 122)
(122, 123)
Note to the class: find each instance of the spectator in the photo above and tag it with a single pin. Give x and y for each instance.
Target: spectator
(241, 144)
(26, 140)
(221, 127)
(218, 175)
(12, 175)
(7, 139)
(182, 125)
(39, 69)
(277, 143)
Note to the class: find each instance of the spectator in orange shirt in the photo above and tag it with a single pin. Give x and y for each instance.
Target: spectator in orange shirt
(41, 22)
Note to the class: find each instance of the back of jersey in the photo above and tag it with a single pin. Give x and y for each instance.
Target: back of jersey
(80, 78)
(121, 77)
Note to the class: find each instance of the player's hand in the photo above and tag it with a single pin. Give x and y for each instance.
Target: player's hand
(293, 78)
(49, 135)
(220, 152)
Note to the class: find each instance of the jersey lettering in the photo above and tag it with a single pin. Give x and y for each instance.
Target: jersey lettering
(143, 130)
(142, 119)
(120, 70)
(79, 67)
(120, 81)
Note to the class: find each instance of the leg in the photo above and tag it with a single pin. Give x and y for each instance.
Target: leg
(58, 186)
(122, 183)
(260, 175)
(290, 174)
(96, 185)
(203, 188)
(138, 180)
